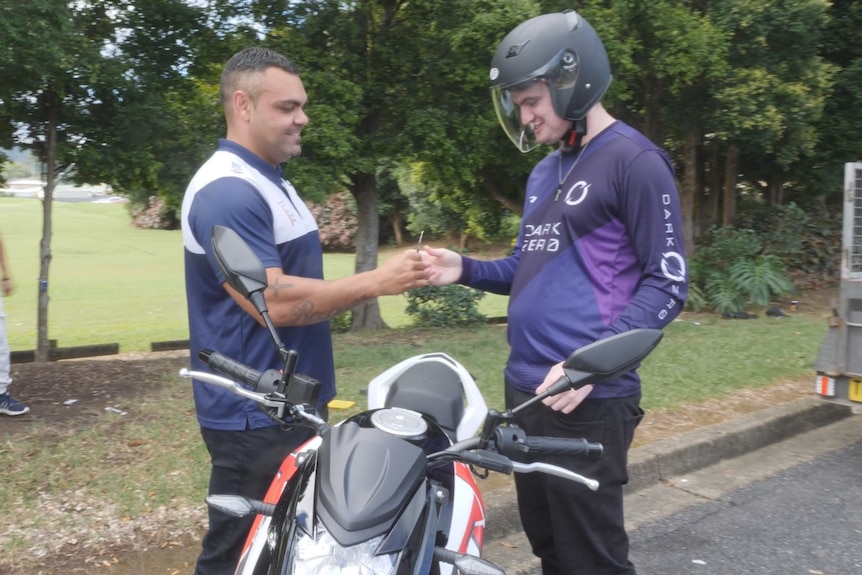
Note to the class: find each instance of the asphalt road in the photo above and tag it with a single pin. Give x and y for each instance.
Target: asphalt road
(804, 520)
(791, 508)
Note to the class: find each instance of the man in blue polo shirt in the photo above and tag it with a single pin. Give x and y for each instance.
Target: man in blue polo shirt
(241, 187)
(599, 252)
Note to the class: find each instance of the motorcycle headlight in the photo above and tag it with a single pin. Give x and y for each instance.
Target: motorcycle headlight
(323, 555)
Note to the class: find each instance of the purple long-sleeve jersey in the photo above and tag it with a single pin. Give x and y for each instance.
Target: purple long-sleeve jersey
(598, 255)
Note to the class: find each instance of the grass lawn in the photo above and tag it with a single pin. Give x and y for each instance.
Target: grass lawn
(112, 283)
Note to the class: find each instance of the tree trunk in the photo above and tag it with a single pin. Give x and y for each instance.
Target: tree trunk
(42, 341)
(776, 193)
(714, 186)
(364, 189)
(700, 198)
(397, 221)
(730, 166)
(653, 127)
(493, 189)
(688, 189)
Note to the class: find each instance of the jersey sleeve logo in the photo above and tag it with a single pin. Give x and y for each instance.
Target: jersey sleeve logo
(673, 266)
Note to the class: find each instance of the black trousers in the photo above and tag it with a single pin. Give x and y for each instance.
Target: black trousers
(243, 463)
(573, 530)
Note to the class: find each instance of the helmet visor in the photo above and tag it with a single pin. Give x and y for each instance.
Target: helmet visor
(560, 74)
(509, 115)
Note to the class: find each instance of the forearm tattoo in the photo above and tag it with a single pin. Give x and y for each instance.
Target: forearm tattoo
(304, 312)
(278, 287)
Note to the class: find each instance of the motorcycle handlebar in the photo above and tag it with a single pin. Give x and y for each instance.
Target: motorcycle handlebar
(513, 442)
(263, 383)
(230, 367)
(564, 446)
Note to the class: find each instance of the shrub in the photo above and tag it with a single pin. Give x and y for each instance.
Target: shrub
(444, 306)
(341, 323)
(731, 272)
(722, 294)
(760, 278)
(723, 246)
(336, 221)
(807, 240)
(156, 215)
(696, 299)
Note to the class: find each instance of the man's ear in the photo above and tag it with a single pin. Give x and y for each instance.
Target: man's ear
(242, 104)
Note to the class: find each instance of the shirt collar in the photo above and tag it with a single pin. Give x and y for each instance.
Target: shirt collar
(272, 173)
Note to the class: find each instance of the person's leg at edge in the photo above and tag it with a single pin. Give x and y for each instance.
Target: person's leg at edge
(585, 528)
(5, 360)
(243, 463)
(8, 405)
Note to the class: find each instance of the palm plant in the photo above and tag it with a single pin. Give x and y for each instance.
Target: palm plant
(733, 271)
(760, 279)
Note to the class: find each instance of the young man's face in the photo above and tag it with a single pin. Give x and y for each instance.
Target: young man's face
(277, 115)
(536, 109)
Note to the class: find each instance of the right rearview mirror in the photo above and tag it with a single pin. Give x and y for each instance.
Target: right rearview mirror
(610, 357)
(242, 269)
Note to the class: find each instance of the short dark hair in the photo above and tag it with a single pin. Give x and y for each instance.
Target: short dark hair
(255, 59)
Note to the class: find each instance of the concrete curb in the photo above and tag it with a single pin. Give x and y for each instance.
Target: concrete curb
(655, 462)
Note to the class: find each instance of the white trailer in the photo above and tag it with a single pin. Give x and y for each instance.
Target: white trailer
(839, 364)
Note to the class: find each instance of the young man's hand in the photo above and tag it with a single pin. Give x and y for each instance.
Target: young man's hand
(445, 266)
(566, 401)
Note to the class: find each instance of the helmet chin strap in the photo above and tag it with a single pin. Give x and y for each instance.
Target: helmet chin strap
(572, 139)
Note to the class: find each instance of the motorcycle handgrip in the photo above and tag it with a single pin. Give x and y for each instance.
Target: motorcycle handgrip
(564, 446)
(230, 367)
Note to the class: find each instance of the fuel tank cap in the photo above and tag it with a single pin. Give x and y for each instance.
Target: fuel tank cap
(400, 422)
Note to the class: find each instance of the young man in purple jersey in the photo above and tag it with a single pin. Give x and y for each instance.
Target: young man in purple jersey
(242, 187)
(599, 252)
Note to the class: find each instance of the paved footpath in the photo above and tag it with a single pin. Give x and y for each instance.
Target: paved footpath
(663, 473)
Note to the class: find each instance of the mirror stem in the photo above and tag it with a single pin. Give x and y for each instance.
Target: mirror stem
(270, 327)
(559, 386)
(526, 404)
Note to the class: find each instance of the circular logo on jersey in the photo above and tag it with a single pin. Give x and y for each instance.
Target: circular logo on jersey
(573, 198)
(495, 73)
(673, 266)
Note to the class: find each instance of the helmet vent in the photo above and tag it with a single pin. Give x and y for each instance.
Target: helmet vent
(515, 49)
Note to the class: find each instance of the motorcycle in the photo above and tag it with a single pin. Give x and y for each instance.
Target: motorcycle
(391, 490)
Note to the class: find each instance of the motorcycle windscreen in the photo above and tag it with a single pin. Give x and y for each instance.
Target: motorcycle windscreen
(365, 479)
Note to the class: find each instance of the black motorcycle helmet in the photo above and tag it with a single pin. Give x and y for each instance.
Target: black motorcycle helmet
(561, 49)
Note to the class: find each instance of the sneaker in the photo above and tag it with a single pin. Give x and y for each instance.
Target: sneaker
(10, 406)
